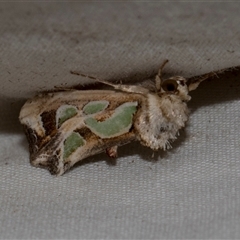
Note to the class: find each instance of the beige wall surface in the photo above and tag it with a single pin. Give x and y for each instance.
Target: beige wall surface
(190, 192)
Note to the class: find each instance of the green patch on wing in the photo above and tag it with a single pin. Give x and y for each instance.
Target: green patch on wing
(95, 107)
(119, 123)
(64, 113)
(74, 141)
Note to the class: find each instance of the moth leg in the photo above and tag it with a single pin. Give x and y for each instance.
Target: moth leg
(158, 78)
(121, 87)
(112, 151)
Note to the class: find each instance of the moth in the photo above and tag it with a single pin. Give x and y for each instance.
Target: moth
(65, 127)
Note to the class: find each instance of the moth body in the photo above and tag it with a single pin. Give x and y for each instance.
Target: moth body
(65, 127)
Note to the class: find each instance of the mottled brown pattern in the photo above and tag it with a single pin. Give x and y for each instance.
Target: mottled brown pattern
(120, 140)
(52, 152)
(33, 139)
(52, 164)
(86, 133)
(97, 144)
(49, 122)
(53, 144)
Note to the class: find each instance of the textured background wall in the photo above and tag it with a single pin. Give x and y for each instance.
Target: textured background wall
(190, 192)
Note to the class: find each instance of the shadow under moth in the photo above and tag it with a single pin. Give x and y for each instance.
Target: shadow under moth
(64, 127)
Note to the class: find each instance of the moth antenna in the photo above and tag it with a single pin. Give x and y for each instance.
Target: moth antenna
(158, 79)
(94, 78)
(193, 82)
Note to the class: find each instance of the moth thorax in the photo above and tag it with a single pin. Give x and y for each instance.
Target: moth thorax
(176, 85)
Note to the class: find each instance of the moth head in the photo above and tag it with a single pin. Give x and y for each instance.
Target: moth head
(176, 85)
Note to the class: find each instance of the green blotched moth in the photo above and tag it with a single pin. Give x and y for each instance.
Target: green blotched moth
(65, 127)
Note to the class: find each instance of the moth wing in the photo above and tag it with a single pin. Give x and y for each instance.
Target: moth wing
(65, 127)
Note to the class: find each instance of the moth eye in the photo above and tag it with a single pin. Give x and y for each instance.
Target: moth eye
(169, 86)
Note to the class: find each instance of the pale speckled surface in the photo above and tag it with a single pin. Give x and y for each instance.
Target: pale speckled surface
(190, 192)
